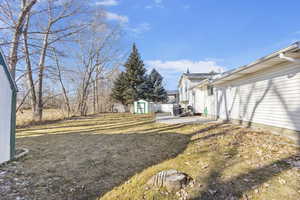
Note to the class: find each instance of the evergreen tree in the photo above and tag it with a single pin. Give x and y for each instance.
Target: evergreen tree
(154, 87)
(135, 77)
(119, 89)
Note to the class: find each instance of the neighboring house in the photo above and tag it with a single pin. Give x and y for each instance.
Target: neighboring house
(187, 82)
(8, 91)
(173, 96)
(204, 101)
(203, 95)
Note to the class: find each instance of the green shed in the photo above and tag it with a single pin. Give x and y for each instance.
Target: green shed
(142, 107)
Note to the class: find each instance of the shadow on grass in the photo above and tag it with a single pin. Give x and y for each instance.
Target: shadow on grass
(236, 187)
(224, 131)
(80, 122)
(86, 165)
(95, 129)
(83, 164)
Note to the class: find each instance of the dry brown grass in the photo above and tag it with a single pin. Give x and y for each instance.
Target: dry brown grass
(49, 115)
(112, 156)
(226, 162)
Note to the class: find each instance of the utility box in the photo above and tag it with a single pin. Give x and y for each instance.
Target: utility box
(143, 107)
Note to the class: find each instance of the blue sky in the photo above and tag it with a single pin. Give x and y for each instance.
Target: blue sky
(204, 35)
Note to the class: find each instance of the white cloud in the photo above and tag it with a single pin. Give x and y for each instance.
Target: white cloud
(116, 17)
(107, 3)
(182, 65)
(139, 29)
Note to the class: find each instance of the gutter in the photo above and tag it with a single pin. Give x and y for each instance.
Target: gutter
(294, 46)
(199, 84)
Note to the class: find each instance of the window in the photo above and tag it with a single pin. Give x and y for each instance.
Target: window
(210, 90)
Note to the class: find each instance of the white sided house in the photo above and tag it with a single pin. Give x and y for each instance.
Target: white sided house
(187, 95)
(8, 91)
(204, 101)
(265, 93)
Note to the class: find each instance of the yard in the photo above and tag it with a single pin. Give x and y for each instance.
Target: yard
(112, 156)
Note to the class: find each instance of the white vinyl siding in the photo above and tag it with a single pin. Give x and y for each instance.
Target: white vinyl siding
(270, 97)
(198, 100)
(203, 100)
(5, 116)
(185, 91)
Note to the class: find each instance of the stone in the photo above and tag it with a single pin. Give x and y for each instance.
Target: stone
(296, 164)
(172, 180)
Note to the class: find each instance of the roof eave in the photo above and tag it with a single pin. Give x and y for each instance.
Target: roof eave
(292, 47)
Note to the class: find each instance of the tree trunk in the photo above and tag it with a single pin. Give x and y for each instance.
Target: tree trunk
(97, 93)
(66, 98)
(41, 75)
(30, 82)
(13, 55)
(94, 97)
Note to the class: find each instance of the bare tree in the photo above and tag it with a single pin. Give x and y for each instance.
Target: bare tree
(39, 36)
(59, 16)
(16, 27)
(29, 71)
(60, 78)
(97, 55)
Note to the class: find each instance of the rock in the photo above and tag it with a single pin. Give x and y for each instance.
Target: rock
(212, 192)
(171, 179)
(282, 181)
(2, 173)
(266, 185)
(296, 164)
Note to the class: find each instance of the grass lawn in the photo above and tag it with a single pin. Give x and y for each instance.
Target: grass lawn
(112, 156)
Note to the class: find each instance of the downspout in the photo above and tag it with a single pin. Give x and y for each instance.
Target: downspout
(13, 125)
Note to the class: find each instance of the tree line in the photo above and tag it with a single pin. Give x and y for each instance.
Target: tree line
(134, 84)
(62, 54)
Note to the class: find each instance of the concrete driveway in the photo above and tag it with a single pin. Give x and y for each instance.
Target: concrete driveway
(167, 119)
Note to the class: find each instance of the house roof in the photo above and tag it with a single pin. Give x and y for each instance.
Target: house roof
(3, 64)
(292, 51)
(197, 76)
(171, 92)
(202, 83)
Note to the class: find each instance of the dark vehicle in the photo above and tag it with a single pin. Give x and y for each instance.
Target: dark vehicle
(177, 110)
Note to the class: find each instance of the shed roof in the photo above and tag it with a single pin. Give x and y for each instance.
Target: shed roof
(141, 100)
(3, 63)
